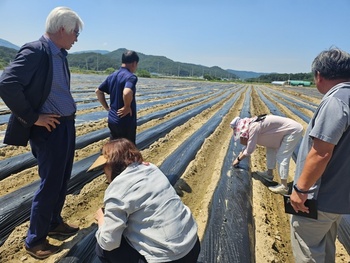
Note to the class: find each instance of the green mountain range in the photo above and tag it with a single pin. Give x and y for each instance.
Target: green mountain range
(5, 43)
(6, 55)
(101, 60)
(156, 65)
(106, 61)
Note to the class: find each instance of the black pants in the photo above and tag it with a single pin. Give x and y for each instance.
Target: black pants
(123, 254)
(54, 152)
(118, 131)
(127, 254)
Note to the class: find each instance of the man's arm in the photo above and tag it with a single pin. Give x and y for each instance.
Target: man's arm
(15, 83)
(102, 99)
(315, 164)
(127, 98)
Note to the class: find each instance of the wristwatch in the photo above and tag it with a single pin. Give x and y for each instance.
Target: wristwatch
(302, 191)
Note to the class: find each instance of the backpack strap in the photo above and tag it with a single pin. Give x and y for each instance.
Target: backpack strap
(260, 117)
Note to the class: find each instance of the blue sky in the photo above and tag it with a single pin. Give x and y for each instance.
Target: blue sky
(280, 36)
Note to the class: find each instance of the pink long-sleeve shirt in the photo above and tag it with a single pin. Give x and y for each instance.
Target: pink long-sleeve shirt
(270, 132)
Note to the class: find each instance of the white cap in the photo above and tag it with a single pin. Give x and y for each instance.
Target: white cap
(234, 122)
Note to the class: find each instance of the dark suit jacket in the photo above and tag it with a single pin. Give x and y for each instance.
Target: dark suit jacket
(24, 87)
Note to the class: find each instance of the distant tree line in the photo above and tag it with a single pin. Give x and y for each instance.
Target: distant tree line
(282, 77)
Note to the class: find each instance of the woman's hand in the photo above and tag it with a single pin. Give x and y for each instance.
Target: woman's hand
(99, 216)
(236, 161)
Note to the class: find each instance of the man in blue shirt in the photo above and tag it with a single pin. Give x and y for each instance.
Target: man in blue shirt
(121, 86)
(36, 88)
(323, 166)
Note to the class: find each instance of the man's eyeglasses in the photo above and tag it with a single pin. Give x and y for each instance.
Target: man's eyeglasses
(77, 33)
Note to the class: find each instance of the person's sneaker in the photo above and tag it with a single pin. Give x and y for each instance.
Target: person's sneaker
(279, 189)
(64, 230)
(43, 250)
(265, 175)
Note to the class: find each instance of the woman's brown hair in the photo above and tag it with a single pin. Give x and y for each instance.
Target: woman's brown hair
(119, 153)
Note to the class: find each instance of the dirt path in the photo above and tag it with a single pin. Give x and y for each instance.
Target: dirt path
(196, 186)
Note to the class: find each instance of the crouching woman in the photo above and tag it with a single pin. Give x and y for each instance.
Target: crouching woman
(143, 219)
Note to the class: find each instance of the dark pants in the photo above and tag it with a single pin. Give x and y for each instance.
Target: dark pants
(54, 152)
(123, 254)
(127, 254)
(119, 131)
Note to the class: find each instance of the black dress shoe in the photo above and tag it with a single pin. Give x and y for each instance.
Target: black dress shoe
(42, 250)
(64, 229)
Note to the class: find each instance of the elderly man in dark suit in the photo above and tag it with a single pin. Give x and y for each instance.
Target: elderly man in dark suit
(36, 88)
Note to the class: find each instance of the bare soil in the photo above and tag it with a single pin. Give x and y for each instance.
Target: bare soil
(196, 186)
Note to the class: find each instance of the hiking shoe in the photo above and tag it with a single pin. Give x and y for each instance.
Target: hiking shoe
(279, 189)
(265, 175)
(64, 229)
(42, 250)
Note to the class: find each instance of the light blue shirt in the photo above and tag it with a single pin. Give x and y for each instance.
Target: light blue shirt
(142, 205)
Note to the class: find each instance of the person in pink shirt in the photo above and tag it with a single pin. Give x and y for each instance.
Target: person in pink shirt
(280, 136)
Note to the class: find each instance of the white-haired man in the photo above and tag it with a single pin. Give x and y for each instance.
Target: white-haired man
(36, 88)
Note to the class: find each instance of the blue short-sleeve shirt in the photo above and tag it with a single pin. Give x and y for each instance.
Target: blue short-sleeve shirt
(114, 86)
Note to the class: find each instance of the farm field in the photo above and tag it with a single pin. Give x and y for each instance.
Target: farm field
(169, 113)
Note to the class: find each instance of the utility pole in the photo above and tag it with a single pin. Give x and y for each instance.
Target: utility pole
(97, 62)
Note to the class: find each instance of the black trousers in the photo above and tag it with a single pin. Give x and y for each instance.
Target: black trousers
(118, 131)
(123, 254)
(127, 254)
(54, 152)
